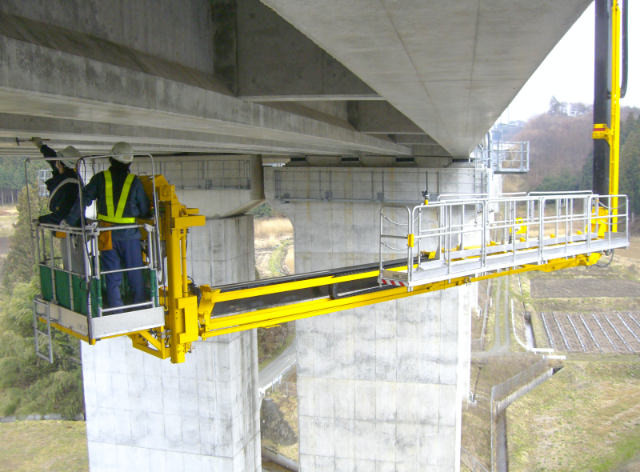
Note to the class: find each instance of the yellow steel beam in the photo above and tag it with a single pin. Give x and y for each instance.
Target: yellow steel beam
(146, 343)
(614, 141)
(276, 315)
(291, 286)
(612, 134)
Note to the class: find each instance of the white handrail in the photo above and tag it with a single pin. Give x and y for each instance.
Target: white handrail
(475, 235)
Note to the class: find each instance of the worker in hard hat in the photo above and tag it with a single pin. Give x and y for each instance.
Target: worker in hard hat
(120, 200)
(63, 185)
(63, 189)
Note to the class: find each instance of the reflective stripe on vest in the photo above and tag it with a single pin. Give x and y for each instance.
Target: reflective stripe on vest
(116, 216)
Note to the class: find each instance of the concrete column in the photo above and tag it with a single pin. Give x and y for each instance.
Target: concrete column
(380, 387)
(145, 414)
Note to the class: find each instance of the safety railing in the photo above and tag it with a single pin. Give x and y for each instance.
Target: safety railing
(72, 278)
(504, 157)
(454, 238)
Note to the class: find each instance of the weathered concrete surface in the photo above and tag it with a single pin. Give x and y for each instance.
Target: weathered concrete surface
(222, 251)
(178, 32)
(218, 186)
(51, 73)
(145, 414)
(277, 62)
(163, 75)
(365, 185)
(379, 387)
(450, 67)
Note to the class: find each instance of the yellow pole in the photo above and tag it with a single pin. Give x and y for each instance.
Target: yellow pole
(174, 285)
(614, 141)
(183, 250)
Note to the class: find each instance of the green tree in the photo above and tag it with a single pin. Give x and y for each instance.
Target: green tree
(628, 125)
(12, 173)
(630, 168)
(559, 183)
(19, 265)
(27, 383)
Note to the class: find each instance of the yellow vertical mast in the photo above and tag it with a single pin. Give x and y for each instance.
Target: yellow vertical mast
(614, 141)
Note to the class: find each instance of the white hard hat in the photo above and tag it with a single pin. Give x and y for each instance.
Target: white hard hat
(122, 152)
(68, 156)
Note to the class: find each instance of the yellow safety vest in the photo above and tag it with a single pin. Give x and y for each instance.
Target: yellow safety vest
(116, 217)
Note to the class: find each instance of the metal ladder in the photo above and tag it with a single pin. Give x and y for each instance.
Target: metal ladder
(45, 336)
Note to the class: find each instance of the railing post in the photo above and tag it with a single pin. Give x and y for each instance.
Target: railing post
(541, 202)
(449, 237)
(417, 237)
(409, 247)
(485, 224)
(67, 243)
(590, 207)
(381, 213)
(512, 204)
(462, 228)
(52, 265)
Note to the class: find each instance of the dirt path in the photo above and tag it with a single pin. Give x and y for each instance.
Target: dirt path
(583, 287)
(4, 245)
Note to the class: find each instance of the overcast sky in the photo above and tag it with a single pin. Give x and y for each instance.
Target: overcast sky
(567, 72)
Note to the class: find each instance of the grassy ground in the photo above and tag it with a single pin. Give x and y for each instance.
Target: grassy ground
(274, 247)
(273, 240)
(56, 446)
(587, 417)
(8, 216)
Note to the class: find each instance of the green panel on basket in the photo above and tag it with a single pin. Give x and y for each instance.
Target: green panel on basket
(63, 293)
(80, 295)
(45, 283)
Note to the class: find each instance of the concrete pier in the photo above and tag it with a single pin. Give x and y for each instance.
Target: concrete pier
(146, 414)
(379, 387)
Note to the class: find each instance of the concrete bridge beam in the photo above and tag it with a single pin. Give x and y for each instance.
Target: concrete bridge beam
(51, 71)
(263, 58)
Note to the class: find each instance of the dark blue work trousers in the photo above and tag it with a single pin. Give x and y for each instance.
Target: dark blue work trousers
(125, 253)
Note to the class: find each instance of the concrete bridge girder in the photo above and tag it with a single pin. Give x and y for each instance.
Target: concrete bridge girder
(117, 86)
(449, 67)
(80, 61)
